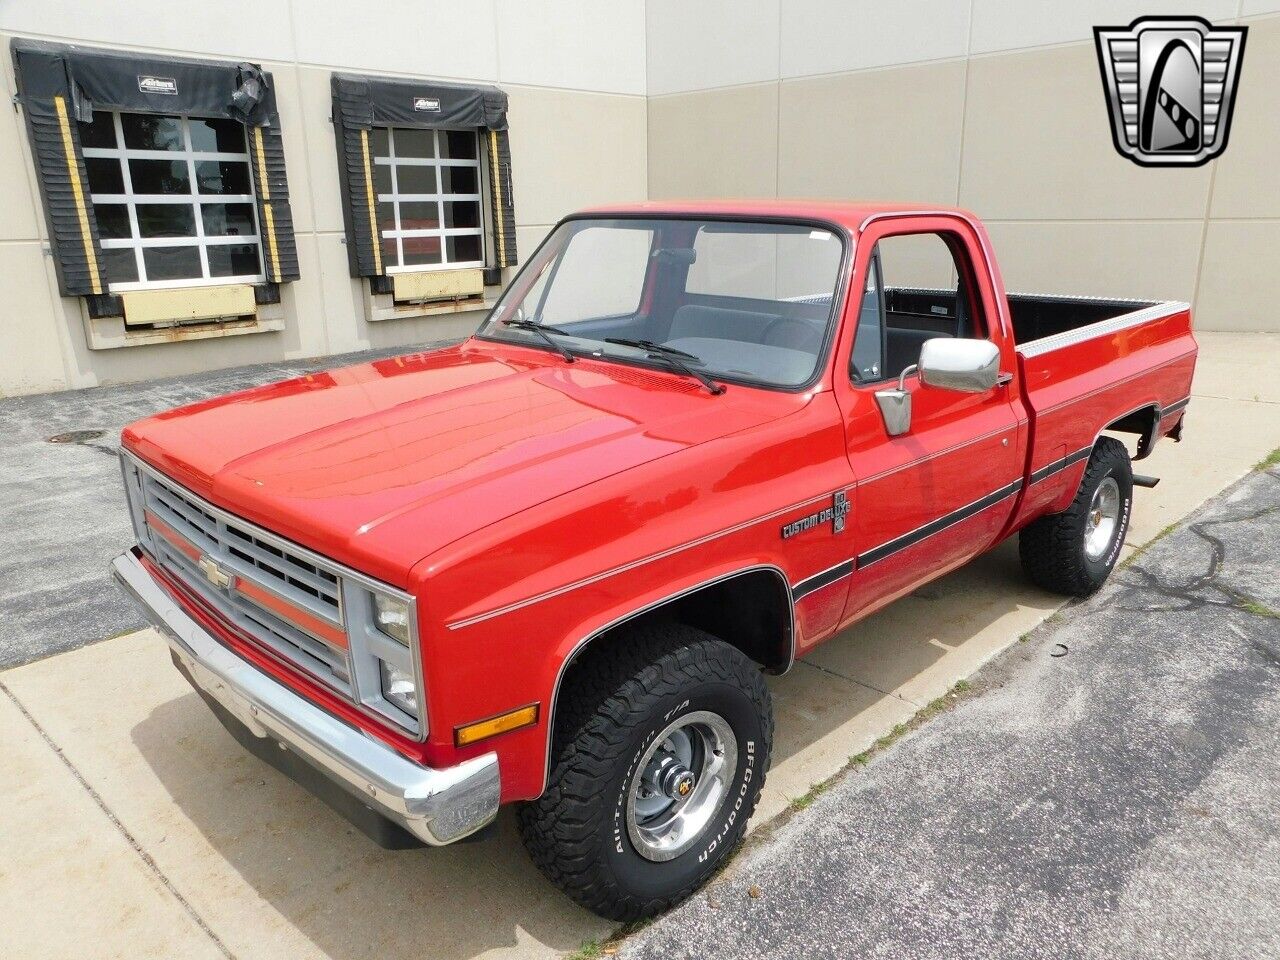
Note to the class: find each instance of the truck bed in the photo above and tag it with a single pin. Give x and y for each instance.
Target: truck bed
(1041, 322)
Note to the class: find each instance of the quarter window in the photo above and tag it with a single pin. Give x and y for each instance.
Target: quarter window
(174, 201)
(429, 197)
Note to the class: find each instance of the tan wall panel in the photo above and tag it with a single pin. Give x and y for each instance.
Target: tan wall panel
(1154, 261)
(338, 295)
(571, 150)
(304, 302)
(1038, 146)
(1247, 183)
(21, 196)
(717, 143)
(879, 135)
(1240, 282)
(31, 361)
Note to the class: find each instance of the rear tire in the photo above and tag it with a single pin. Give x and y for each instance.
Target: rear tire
(1074, 552)
(661, 748)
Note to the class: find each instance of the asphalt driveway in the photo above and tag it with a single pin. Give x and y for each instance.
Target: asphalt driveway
(1108, 789)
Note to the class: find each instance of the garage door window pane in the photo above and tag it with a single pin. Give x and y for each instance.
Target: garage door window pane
(458, 144)
(121, 266)
(460, 180)
(464, 249)
(223, 177)
(166, 220)
(100, 133)
(415, 179)
(234, 260)
(217, 136)
(171, 263)
(105, 175)
(159, 176)
(421, 250)
(228, 219)
(462, 214)
(415, 143)
(419, 215)
(143, 131)
(113, 221)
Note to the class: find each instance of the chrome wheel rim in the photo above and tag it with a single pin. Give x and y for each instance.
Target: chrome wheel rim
(1104, 517)
(679, 783)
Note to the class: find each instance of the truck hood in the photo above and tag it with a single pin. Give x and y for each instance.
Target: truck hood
(379, 465)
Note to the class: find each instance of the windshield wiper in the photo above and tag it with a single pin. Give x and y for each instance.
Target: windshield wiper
(660, 351)
(542, 329)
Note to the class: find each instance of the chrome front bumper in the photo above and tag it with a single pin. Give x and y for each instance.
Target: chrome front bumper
(436, 806)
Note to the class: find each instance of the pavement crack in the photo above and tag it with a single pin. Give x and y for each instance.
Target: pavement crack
(1190, 592)
(124, 831)
(861, 683)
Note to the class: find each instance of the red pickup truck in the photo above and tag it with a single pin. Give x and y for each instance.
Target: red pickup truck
(549, 566)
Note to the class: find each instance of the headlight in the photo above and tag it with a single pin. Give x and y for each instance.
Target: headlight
(399, 687)
(392, 617)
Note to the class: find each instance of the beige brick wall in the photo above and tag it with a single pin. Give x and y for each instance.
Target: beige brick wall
(995, 105)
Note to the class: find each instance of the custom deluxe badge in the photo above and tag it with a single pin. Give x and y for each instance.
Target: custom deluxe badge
(834, 515)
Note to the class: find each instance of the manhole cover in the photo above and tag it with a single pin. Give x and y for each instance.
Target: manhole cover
(76, 436)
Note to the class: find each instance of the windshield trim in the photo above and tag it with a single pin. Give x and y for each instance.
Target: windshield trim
(838, 295)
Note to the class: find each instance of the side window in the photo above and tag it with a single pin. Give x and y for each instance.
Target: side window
(924, 293)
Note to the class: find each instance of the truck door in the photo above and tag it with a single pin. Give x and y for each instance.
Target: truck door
(935, 496)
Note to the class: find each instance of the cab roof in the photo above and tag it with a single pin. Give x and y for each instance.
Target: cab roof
(848, 213)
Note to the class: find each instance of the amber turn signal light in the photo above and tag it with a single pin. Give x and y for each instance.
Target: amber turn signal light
(483, 729)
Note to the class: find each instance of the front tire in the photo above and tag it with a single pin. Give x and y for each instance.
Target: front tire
(661, 748)
(1074, 552)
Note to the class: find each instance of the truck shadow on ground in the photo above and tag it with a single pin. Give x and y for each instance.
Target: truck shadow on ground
(335, 892)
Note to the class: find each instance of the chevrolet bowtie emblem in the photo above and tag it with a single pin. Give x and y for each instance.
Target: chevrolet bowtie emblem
(213, 572)
(1171, 86)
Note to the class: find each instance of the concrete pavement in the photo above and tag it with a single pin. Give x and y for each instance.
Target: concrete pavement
(1109, 790)
(152, 800)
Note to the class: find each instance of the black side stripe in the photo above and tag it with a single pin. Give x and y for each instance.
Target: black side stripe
(1062, 464)
(1174, 407)
(936, 526)
(820, 580)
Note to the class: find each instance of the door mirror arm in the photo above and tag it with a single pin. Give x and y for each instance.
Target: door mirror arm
(895, 405)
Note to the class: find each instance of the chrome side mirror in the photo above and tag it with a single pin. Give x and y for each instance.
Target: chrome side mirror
(969, 366)
(895, 405)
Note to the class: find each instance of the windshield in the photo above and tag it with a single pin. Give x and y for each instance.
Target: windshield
(740, 301)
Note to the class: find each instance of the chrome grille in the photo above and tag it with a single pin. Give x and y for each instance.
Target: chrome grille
(269, 564)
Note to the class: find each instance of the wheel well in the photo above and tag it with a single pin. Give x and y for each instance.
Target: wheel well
(1145, 422)
(751, 611)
